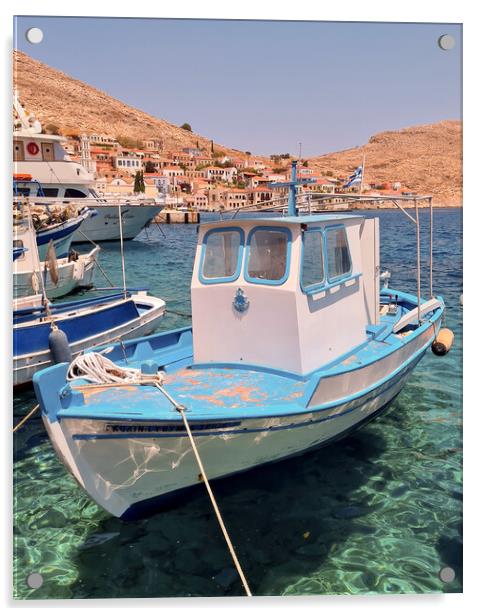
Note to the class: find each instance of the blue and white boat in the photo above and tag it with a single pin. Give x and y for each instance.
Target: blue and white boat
(61, 234)
(293, 345)
(86, 323)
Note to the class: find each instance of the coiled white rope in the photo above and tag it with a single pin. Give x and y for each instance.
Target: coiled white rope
(96, 368)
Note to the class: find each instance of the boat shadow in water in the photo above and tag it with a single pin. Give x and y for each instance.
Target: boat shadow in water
(284, 520)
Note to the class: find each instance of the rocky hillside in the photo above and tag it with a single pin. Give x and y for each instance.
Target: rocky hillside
(75, 107)
(425, 159)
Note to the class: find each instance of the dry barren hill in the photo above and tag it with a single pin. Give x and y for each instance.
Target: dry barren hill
(76, 107)
(425, 159)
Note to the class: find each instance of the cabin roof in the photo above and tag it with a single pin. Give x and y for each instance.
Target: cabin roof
(299, 220)
(41, 136)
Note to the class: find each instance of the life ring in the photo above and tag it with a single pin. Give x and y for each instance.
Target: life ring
(32, 148)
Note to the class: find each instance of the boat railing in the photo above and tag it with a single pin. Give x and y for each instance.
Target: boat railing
(90, 202)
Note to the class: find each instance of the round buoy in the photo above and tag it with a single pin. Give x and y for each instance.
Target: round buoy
(443, 342)
(59, 346)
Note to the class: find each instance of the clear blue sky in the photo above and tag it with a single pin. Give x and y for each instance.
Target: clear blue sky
(263, 86)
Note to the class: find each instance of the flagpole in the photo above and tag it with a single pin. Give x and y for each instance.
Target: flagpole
(362, 174)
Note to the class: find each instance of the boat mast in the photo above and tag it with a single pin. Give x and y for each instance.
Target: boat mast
(292, 185)
(292, 209)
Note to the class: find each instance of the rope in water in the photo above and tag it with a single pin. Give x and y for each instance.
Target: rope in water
(101, 269)
(99, 369)
(26, 418)
(179, 314)
(181, 409)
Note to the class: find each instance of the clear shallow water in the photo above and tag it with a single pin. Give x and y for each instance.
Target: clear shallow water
(379, 512)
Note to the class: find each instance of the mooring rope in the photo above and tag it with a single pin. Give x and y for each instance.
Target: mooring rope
(98, 369)
(26, 418)
(187, 315)
(181, 410)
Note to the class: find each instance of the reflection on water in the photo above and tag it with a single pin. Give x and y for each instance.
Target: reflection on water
(379, 512)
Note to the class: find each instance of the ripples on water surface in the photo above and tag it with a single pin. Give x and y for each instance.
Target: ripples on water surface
(379, 512)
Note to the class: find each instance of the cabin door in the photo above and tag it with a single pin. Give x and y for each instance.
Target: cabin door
(47, 151)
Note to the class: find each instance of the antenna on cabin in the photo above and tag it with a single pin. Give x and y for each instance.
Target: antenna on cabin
(292, 185)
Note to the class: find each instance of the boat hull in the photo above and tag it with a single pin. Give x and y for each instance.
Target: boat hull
(130, 468)
(105, 226)
(62, 236)
(71, 275)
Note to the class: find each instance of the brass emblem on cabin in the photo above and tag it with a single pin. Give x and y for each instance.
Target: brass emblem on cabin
(240, 302)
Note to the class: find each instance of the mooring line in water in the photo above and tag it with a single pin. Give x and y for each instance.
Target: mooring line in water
(102, 372)
(181, 409)
(101, 269)
(180, 314)
(26, 418)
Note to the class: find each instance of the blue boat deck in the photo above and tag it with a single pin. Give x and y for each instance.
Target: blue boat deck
(206, 393)
(218, 391)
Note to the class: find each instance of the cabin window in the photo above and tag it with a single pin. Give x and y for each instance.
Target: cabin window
(221, 256)
(268, 249)
(74, 193)
(312, 272)
(338, 253)
(22, 191)
(50, 192)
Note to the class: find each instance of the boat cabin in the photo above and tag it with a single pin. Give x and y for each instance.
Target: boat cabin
(291, 293)
(44, 157)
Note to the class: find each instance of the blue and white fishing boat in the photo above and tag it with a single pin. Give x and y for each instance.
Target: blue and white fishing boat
(86, 323)
(293, 345)
(61, 234)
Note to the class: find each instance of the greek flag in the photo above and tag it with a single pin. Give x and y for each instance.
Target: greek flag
(355, 178)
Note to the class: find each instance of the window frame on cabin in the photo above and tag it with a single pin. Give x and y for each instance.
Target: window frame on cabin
(329, 282)
(345, 275)
(221, 279)
(312, 288)
(267, 281)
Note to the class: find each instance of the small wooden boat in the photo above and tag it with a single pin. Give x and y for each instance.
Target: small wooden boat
(293, 345)
(86, 323)
(60, 277)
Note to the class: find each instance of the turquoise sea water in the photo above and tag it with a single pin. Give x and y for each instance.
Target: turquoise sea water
(379, 512)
